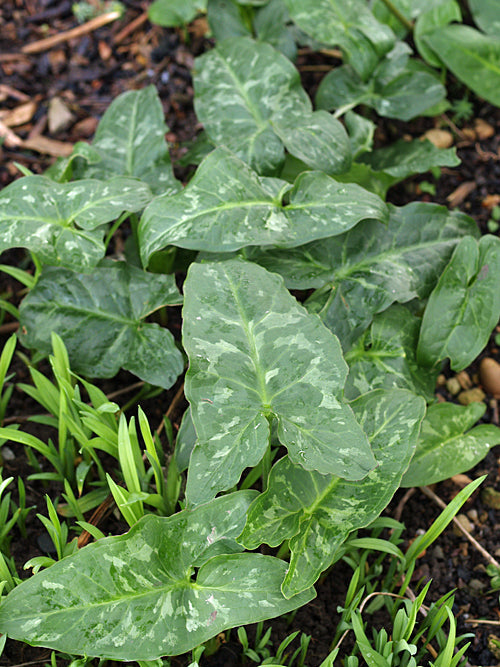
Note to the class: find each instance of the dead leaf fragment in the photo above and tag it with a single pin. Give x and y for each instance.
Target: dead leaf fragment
(19, 115)
(59, 116)
(462, 192)
(48, 146)
(483, 129)
(489, 374)
(440, 138)
(10, 139)
(490, 201)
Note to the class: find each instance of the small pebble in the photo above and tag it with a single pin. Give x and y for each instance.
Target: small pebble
(441, 380)
(465, 523)
(483, 129)
(438, 553)
(475, 395)
(453, 386)
(440, 138)
(489, 374)
(7, 454)
(473, 516)
(464, 380)
(477, 585)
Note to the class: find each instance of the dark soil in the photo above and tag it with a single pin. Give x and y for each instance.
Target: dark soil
(87, 74)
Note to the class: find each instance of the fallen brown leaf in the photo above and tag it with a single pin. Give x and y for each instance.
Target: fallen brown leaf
(48, 146)
(19, 115)
(10, 139)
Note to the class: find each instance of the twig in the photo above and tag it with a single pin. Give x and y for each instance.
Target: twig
(84, 29)
(481, 621)
(314, 68)
(430, 494)
(175, 402)
(13, 92)
(99, 514)
(402, 503)
(133, 25)
(9, 327)
(125, 390)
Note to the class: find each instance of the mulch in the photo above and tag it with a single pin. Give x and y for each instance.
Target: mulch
(84, 74)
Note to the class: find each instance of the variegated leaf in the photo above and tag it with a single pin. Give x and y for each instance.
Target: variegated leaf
(317, 512)
(239, 86)
(100, 317)
(226, 206)
(349, 24)
(464, 306)
(59, 221)
(130, 139)
(448, 444)
(364, 271)
(133, 597)
(385, 357)
(256, 355)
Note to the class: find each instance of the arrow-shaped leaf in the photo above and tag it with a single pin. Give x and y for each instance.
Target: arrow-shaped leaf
(363, 271)
(385, 357)
(226, 206)
(100, 318)
(133, 597)
(239, 86)
(317, 512)
(464, 306)
(255, 355)
(448, 445)
(58, 221)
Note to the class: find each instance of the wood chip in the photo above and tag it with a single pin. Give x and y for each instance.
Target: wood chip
(461, 193)
(48, 146)
(490, 201)
(10, 139)
(19, 115)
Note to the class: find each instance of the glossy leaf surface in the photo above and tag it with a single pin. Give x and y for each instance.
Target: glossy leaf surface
(226, 206)
(59, 221)
(464, 306)
(346, 23)
(131, 141)
(172, 13)
(256, 355)
(100, 318)
(436, 16)
(385, 357)
(239, 86)
(373, 265)
(473, 58)
(449, 443)
(317, 512)
(132, 597)
(486, 15)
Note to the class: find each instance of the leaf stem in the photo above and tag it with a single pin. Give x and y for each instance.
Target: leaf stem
(267, 462)
(114, 227)
(401, 18)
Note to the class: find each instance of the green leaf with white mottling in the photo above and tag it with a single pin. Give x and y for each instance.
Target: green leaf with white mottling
(364, 271)
(405, 158)
(131, 141)
(438, 15)
(346, 23)
(464, 307)
(239, 86)
(317, 512)
(100, 318)
(361, 131)
(271, 25)
(59, 221)
(486, 15)
(172, 13)
(473, 57)
(226, 19)
(406, 95)
(133, 597)
(255, 355)
(226, 206)
(385, 357)
(317, 139)
(448, 444)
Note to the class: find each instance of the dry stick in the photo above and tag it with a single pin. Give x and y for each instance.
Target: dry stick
(430, 494)
(402, 503)
(9, 327)
(175, 402)
(133, 25)
(90, 26)
(125, 390)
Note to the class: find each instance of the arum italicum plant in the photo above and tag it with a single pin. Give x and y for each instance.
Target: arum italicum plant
(303, 419)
